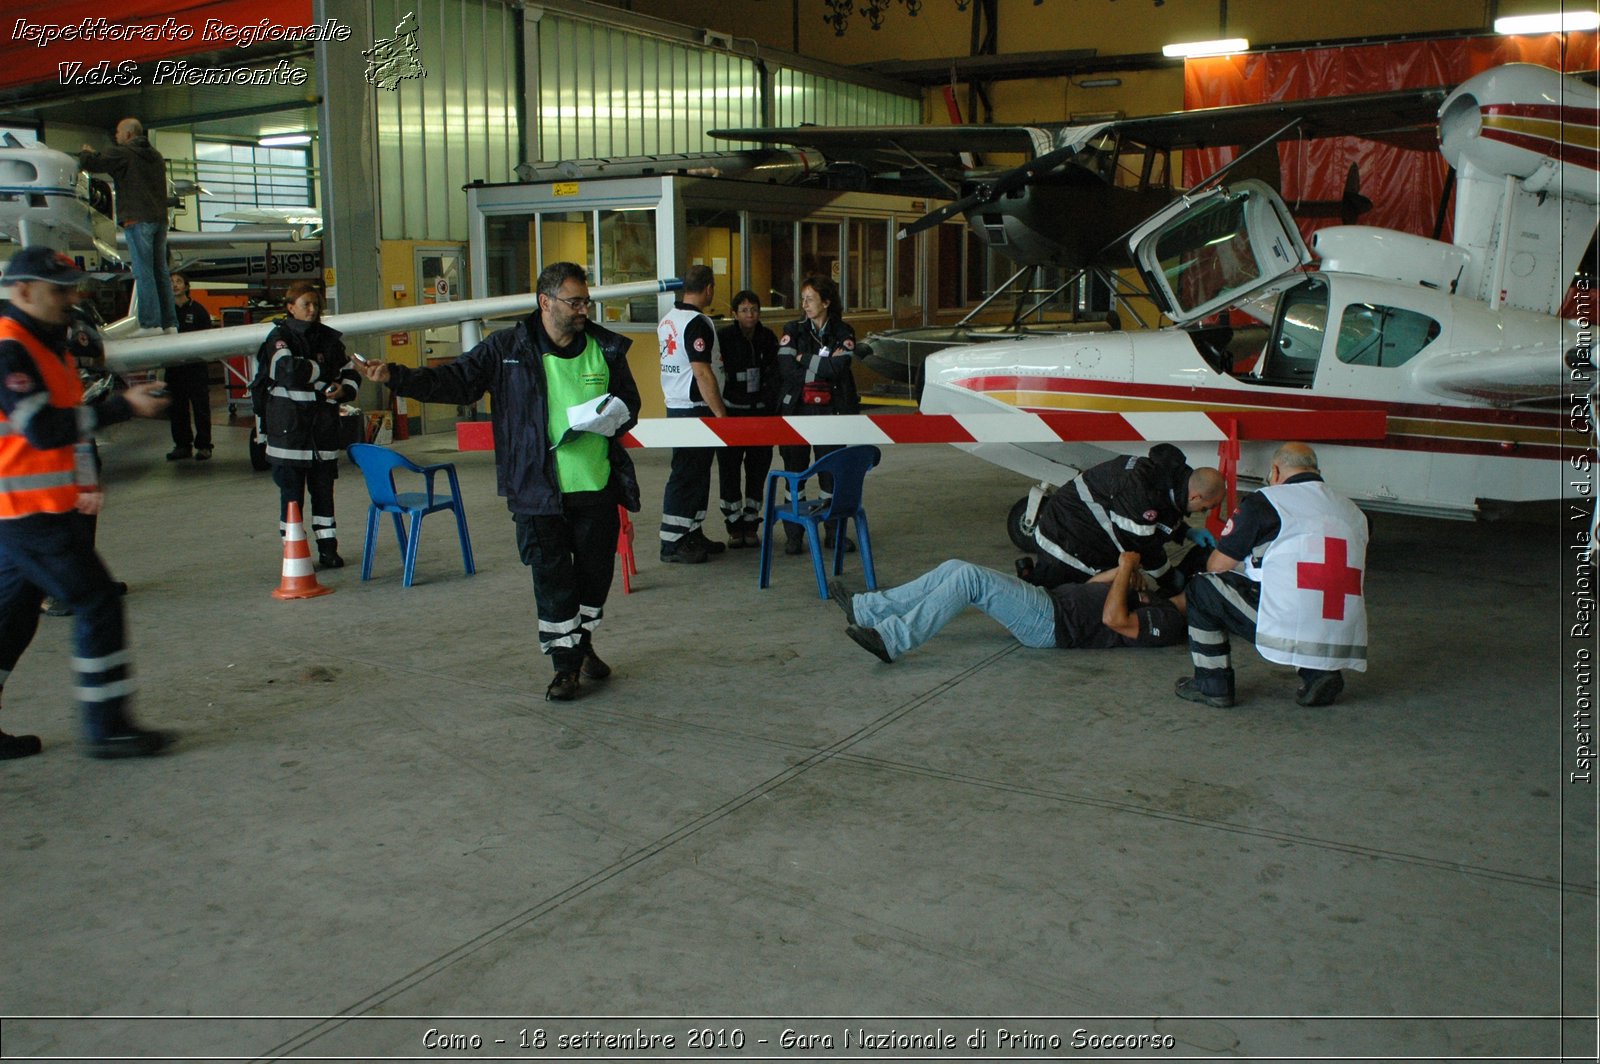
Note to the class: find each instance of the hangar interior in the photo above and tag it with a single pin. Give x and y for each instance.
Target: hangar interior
(376, 840)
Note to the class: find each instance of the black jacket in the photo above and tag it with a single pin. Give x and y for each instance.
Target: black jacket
(1145, 500)
(739, 357)
(510, 366)
(294, 369)
(141, 176)
(801, 339)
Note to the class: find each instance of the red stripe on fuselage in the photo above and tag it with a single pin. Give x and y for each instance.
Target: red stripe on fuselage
(1205, 399)
(1588, 158)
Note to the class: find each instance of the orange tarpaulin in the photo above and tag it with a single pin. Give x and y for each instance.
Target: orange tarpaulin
(1404, 186)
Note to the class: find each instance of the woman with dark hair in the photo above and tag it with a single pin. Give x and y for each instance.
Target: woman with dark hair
(750, 363)
(302, 375)
(814, 371)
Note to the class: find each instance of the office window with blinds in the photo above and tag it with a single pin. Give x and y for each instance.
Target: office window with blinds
(247, 179)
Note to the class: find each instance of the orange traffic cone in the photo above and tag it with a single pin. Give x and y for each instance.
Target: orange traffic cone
(299, 580)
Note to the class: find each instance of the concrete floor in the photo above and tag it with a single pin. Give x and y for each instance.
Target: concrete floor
(374, 816)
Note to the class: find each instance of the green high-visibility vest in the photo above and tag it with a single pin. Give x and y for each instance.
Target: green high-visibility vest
(582, 463)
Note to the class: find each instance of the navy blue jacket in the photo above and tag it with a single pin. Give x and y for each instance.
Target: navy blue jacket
(510, 366)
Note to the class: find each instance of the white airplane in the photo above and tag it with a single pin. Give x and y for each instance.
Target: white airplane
(1487, 390)
(44, 199)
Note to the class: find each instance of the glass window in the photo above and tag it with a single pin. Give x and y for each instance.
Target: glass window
(242, 177)
(509, 254)
(978, 257)
(567, 236)
(1297, 336)
(869, 266)
(772, 263)
(950, 247)
(907, 286)
(819, 253)
(714, 240)
(1383, 336)
(627, 254)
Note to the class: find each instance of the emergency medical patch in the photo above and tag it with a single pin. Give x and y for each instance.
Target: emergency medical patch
(1149, 515)
(785, 341)
(279, 345)
(699, 343)
(19, 382)
(849, 345)
(1227, 528)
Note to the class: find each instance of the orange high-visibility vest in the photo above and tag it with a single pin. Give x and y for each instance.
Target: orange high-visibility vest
(34, 481)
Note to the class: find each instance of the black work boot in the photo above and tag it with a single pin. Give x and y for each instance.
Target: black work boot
(120, 737)
(328, 554)
(1319, 688)
(1209, 687)
(15, 746)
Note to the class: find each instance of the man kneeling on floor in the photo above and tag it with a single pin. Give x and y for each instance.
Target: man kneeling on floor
(1111, 610)
(1287, 573)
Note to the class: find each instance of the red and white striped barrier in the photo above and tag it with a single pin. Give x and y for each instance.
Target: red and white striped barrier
(1019, 427)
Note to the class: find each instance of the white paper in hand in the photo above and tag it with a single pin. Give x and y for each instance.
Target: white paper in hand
(602, 416)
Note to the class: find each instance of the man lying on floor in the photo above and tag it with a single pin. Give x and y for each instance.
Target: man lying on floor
(1111, 610)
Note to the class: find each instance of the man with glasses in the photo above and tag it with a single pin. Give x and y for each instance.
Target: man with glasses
(563, 395)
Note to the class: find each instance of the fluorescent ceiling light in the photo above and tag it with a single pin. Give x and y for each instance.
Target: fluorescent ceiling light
(1099, 83)
(1555, 22)
(1193, 49)
(284, 140)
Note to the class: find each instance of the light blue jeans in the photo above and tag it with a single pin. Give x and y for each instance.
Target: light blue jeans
(911, 614)
(147, 247)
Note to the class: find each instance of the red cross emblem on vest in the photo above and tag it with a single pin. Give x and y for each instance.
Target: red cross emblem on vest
(1333, 577)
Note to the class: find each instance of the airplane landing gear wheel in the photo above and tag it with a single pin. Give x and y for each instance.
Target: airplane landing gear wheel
(1020, 531)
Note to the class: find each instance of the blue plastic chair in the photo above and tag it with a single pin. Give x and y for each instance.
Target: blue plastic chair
(849, 466)
(378, 465)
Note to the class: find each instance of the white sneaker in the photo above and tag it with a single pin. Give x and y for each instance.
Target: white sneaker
(169, 330)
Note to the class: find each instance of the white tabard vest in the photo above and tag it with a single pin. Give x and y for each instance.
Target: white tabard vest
(1313, 611)
(676, 376)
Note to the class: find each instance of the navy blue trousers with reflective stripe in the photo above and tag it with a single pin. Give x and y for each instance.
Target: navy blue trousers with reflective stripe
(683, 502)
(1220, 603)
(53, 554)
(573, 556)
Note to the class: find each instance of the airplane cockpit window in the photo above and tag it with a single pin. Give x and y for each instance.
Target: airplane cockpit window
(1297, 334)
(1209, 253)
(1383, 336)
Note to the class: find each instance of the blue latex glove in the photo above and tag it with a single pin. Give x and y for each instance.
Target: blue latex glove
(1201, 537)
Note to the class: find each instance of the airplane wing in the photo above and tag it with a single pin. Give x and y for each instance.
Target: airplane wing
(151, 352)
(884, 148)
(1407, 118)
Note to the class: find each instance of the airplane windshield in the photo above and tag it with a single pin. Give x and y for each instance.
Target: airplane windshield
(1204, 254)
(1207, 255)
